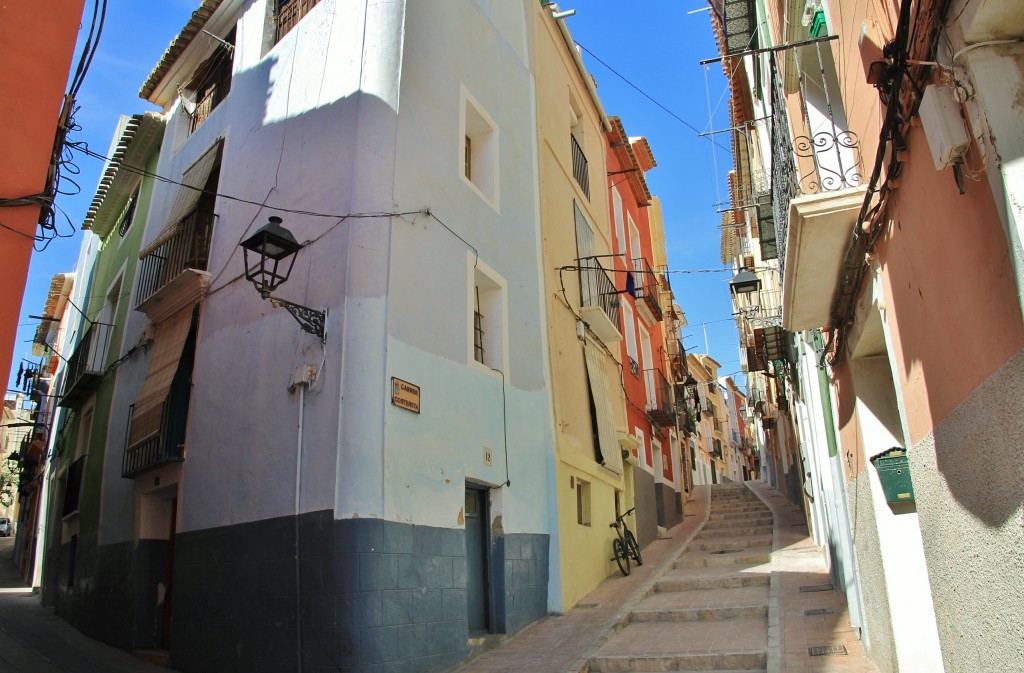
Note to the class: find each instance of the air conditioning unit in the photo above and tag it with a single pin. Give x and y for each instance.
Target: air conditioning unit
(943, 126)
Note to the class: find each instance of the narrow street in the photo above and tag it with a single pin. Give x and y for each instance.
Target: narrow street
(738, 587)
(34, 640)
(720, 592)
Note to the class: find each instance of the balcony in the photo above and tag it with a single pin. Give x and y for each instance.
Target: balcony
(676, 358)
(287, 13)
(816, 190)
(86, 366)
(660, 403)
(173, 274)
(165, 446)
(580, 168)
(599, 301)
(645, 283)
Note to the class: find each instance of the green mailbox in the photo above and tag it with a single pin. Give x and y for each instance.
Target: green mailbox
(894, 473)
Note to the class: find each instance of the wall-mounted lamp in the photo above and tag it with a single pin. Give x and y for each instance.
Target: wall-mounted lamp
(273, 248)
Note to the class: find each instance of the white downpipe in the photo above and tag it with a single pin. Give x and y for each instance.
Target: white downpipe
(298, 491)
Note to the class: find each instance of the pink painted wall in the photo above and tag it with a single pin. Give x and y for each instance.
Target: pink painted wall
(36, 48)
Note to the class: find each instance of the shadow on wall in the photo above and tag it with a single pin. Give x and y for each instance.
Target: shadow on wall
(977, 448)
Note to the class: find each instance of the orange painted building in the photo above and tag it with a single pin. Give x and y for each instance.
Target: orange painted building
(36, 48)
(645, 303)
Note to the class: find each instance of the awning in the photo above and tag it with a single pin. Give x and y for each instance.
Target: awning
(168, 342)
(597, 370)
(191, 189)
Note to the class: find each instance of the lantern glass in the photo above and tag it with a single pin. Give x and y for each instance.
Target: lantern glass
(269, 255)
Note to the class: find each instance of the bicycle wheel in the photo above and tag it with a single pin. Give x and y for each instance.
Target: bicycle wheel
(633, 547)
(621, 556)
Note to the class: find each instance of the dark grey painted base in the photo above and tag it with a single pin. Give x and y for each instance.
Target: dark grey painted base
(670, 505)
(375, 595)
(646, 507)
(115, 597)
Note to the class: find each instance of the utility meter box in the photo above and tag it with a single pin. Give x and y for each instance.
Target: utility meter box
(894, 473)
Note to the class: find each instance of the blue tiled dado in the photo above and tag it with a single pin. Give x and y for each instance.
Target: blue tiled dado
(371, 593)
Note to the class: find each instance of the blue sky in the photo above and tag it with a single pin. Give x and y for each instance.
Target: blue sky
(653, 46)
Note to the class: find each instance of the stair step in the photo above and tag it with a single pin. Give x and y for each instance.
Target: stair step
(733, 532)
(710, 582)
(722, 661)
(739, 523)
(713, 560)
(740, 542)
(698, 615)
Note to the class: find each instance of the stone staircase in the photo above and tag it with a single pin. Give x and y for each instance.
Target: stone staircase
(709, 612)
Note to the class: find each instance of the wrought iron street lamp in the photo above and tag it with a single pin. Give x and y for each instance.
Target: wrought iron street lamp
(269, 255)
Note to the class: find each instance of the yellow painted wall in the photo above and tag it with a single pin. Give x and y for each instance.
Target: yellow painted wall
(585, 551)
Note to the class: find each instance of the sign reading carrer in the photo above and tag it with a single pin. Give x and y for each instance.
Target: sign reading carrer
(405, 395)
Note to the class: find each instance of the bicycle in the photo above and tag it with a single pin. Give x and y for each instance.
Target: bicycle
(624, 546)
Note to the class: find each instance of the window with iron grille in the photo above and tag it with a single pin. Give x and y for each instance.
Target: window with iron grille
(288, 13)
(488, 313)
(211, 82)
(478, 329)
(128, 216)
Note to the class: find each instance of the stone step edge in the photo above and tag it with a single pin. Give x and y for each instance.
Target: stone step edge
(683, 661)
(718, 614)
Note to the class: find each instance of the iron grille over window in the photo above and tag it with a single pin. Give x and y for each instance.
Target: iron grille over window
(212, 82)
(580, 168)
(128, 217)
(478, 330)
(287, 13)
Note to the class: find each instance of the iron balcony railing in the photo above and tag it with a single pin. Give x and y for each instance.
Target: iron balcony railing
(187, 248)
(660, 403)
(597, 289)
(86, 365)
(215, 85)
(645, 283)
(717, 448)
(287, 13)
(676, 358)
(825, 156)
(166, 445)
(580, 168)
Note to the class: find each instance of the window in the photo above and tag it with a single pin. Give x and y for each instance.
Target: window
(629, 326)
(636, 254)
(478, 155)
(580, 167)
(128, 216)
(287, 13)
(488, 312)
(645, 452)
(582, 502)
(620, 233)
(210, 83)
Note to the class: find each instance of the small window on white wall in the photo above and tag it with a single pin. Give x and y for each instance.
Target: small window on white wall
(478, 149)
(488, 324)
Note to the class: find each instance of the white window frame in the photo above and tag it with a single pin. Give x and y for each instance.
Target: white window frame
(481, 129)
(494, 308)
(642, 448)
(629, 327)
(620, 232)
